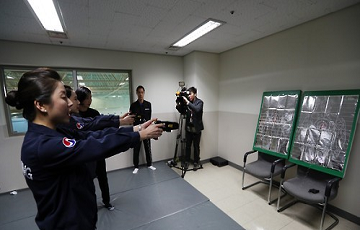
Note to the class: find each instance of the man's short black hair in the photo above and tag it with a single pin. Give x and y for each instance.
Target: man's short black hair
(140, 87)
(68, 90)
(82, 93)
(192, 90)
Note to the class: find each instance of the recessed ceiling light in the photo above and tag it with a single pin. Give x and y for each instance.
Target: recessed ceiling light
(46, 13)
(199, 31)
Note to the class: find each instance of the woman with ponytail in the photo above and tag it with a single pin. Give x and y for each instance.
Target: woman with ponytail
(54, 162)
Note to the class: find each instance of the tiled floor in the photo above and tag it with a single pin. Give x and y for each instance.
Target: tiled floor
(222, 185)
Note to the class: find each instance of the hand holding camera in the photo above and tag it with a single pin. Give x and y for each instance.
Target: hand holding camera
(186, 100)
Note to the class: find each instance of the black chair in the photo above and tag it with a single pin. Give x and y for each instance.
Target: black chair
(310, 187)
(265, 168)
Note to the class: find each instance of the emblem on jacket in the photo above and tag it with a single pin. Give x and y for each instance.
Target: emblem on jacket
(79, 125)
(69, 143)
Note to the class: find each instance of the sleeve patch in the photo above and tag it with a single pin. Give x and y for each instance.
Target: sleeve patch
(69, 143)
(79, 125)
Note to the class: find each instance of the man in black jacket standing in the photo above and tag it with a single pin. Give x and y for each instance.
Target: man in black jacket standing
(142, 110)
(194, 125)
(85, 98)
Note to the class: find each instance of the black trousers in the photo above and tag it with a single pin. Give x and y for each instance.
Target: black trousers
(147, 147)
(193, 138)
(103, 180)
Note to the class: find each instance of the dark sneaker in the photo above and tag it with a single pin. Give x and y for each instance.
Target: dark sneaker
(109, 206)
(196, 166)
(186, 165)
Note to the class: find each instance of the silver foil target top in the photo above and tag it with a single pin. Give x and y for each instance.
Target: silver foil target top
(323, 131)
(275, 122)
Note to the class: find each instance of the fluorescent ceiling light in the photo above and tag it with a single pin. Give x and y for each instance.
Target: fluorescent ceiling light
(80, 78)
(201, 30)
(47, 15)
(122, 83)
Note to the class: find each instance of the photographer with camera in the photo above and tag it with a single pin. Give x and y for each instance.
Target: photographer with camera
(142, 111)
(194, 126)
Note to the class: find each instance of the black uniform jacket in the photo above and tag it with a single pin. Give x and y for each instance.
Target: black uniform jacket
(91, 124)
(194, 114)
(90, 112)
(54, 167)
(144, 110)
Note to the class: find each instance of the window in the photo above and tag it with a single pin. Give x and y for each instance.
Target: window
(110, 91)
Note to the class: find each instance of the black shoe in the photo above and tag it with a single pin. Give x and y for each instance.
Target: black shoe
(196, 166)
(171, 163)
(185, 165)
(109, 206)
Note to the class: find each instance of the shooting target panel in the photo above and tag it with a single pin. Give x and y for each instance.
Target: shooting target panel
(276, 122)
(324, 131)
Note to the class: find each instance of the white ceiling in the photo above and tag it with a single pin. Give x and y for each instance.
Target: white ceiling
(151, 26)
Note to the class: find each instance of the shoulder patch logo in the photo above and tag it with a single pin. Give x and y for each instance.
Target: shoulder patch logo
(79, 125)
(69, 143)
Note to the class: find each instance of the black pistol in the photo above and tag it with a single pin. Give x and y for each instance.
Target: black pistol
(168, 125)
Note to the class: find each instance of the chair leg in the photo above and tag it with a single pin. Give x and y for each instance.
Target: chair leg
(336, 220)
(318, 206)
(276, 199)
(271, 184)
(270, 188)
(279, 195)
(243, 177)
(288, 205)
(266, 181)
(323, 214)
(255, 183)
(243, 187)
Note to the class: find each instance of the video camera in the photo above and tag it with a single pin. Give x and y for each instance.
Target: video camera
(180, 103)
(168, 125)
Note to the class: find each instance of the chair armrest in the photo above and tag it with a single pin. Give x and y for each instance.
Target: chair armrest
(330, 184)
(275, 163)
(284, 170)
(248, 153)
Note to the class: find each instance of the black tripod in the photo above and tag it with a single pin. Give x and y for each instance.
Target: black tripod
(180, 139)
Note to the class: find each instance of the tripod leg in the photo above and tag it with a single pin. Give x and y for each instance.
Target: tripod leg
(173, 162)
(184, 165)
(176, 148)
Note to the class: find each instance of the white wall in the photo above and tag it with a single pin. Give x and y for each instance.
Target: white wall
(323, 54)
(201, 70)
(159, 74)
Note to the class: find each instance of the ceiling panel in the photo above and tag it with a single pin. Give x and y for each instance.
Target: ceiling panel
(153, 25)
